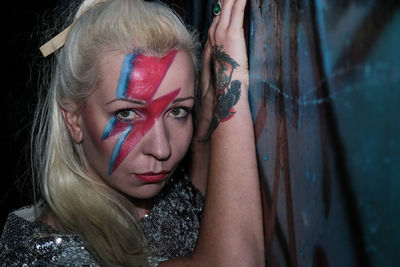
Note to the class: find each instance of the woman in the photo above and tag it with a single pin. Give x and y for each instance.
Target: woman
(113, 131)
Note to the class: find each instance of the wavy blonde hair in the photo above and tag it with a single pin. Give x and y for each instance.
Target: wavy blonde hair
(94, 211)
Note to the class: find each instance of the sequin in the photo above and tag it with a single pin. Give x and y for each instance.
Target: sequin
(166, 228)
(171, 229)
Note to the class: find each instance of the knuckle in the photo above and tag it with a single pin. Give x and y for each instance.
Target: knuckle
(220, 34)
(238, 8)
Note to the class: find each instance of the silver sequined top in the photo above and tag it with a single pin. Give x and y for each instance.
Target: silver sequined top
(170, 228)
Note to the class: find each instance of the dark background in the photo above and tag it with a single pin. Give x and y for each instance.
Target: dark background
(18, 97)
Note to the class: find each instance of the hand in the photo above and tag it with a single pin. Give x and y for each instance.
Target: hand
(226, 36)
(224, 58)
(230, 66)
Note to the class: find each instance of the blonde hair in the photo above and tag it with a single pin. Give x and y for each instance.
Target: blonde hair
(94, 211)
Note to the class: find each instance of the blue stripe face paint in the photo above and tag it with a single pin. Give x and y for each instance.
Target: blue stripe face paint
(125, 75)
(117, 147)
(109, 128)
(123, 83)
(140, 78)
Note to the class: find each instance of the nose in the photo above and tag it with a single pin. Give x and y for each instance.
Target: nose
(157, 142)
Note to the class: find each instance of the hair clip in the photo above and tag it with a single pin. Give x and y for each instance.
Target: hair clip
(58, 41)
(55, 43)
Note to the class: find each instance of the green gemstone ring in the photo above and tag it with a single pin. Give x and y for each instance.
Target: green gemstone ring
(217, 8)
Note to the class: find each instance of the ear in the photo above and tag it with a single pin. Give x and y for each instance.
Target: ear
(73, 121)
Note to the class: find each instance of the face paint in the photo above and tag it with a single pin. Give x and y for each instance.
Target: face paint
(141, 76)
(140, 79)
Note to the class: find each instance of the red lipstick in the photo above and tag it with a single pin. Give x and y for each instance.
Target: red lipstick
(151, 177)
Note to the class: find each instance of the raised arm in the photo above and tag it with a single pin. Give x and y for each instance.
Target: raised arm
(200, 147)
(231, 232)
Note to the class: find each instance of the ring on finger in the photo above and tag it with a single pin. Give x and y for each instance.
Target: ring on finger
(217, 8)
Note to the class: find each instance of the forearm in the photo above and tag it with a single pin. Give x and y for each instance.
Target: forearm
(232, 222)
(231, 232)
(200, 148)
(200, 153)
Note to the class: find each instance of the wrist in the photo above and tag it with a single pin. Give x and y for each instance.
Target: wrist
(200, 145)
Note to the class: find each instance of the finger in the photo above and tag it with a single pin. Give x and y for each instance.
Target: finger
(206, 54)
(225, 14)
(237, 14)
(206, 51)
(206, 64)
(211, 30)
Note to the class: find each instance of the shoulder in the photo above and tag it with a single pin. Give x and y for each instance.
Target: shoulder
(26, 240)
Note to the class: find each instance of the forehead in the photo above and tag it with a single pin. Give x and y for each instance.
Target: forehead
(143, 77)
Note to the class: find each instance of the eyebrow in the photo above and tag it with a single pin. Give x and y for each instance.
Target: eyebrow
(181, 99)
(134, 101)
(141, 102)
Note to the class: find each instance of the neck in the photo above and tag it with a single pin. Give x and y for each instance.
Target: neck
(50, 219)
(143, 206)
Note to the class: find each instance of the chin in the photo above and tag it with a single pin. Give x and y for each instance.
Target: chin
(146, 191)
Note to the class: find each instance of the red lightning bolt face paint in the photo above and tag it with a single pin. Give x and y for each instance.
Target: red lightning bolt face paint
(140, 79)
(135, 144)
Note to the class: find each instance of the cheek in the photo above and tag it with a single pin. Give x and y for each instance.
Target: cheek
(93, 126)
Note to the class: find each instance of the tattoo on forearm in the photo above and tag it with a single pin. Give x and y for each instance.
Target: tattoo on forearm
(226, 97)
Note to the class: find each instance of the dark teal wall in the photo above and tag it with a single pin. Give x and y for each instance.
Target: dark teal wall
(325, 95)
(367, 106)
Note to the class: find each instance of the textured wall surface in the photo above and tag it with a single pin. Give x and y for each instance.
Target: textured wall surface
(325, 95)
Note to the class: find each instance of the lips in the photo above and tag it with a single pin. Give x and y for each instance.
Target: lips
(151, 177)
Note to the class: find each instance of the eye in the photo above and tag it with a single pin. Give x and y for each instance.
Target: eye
(179, 112)
(125, 114)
